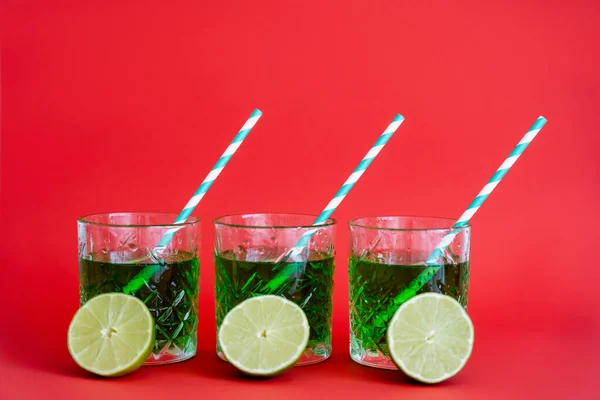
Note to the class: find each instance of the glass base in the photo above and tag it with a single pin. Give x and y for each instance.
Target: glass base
(369, 358)
(313, 354)
(169, 355)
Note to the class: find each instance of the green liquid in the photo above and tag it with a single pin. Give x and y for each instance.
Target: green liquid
(373, 285)
(311, 289)
(171, 294)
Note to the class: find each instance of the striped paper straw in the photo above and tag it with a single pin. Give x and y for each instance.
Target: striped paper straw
(424, 277)
(140, 279)
(299, 247)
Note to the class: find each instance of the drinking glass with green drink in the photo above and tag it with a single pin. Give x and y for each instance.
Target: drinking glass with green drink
(386, 255)
(114, 249)
(248, 253)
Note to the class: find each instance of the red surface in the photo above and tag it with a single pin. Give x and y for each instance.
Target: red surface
(110, 106)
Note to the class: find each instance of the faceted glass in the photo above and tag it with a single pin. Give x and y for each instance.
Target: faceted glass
(386, 255)
(251, 259)
(123, 252)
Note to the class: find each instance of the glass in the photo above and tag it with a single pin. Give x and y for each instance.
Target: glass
(116, 247)
(386, 254)
(249, 252)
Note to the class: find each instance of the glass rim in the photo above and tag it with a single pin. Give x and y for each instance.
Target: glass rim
(191, 220)
(355, 224)
(329, 222)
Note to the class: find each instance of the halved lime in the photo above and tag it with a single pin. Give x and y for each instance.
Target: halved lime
(430, 337)
(111, 335)
(264, 335)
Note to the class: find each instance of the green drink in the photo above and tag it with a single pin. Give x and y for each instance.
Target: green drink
(387, 254)
(171, 295)
(115, 248)
(311, 289)
(373, 285)
(251, 250)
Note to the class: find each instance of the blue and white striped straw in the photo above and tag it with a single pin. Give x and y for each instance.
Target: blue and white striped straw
(301, 246)
(211, 177)
(140, 279)
(424, 277)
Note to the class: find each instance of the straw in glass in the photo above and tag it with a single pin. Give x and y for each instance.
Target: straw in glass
(142, 278)
(302, 243)
(429, 272)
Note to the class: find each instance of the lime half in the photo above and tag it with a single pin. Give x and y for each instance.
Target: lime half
(264, 335)
(111, 335)
(430, 337)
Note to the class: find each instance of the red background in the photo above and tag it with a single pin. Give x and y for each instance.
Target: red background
(121, 106)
